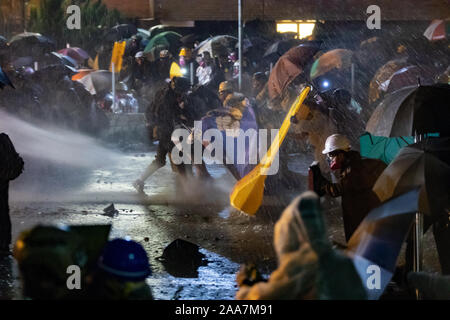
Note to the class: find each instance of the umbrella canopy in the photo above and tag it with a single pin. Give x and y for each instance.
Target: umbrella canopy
(411, 110)
(168, 39)
(438, 30)
(189, 39)
(155, 30)
(278, 48)
(217, 45)
(290, 66)
(121, 32)
(77, 54)
(4, 80)
(407, 76)
(98, 81)
(24, 43)
(82, 73)
(335, 59)
(382, 76)
(415, 167)
(382, 148)
(65, 60)
(143, 33)
(379, 238)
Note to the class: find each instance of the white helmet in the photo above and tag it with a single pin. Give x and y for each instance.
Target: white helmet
(336, 142)
(140, 54)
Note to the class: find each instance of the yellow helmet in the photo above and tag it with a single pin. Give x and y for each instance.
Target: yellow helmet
(184, 52)
(225, 86)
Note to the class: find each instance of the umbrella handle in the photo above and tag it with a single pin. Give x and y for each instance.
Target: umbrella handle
(418, 246)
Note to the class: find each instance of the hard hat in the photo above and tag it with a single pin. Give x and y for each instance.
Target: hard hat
(225, 86)
(235, 100)
(164, 53)
(125, 259)
(336, 142)
(140, 54)
(175, 71)
(183, 52)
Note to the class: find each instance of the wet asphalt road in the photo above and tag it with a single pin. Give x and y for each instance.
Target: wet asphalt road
(194, 211)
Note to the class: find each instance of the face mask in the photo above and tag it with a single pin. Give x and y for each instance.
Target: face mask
(334, 165)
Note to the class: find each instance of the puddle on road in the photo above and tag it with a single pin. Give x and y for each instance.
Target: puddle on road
(216, 280)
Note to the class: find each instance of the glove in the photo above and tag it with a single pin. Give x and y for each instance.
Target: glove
(248, 275)
(316, 179)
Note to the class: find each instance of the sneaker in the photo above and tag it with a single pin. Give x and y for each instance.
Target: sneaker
(139, 186)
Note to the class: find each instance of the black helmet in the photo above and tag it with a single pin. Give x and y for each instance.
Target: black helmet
(180, 85)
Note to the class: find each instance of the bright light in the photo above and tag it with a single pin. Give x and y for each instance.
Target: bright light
(184, 71)
(305, 30)
(286, 27)
(325, 84)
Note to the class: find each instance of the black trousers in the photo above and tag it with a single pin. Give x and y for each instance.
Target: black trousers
(5, 221)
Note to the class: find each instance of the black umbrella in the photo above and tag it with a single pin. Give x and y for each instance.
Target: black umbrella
(28, 43)
(189, 39)
(277, 49)
(121, 32)
(413, 110)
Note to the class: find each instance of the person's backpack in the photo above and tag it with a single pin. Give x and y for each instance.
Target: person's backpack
(11, 164)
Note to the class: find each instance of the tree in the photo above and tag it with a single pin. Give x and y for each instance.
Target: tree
(50, 20)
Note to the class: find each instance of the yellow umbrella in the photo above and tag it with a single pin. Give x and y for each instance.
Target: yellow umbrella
(248, 192)
(175, 71)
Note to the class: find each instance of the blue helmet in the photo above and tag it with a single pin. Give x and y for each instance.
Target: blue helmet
(125, 259)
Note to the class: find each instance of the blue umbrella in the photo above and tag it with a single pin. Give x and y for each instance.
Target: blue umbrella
(376, 244)
(382, 148)
(4, 80)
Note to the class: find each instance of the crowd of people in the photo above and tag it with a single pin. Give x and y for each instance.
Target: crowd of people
(176, 85)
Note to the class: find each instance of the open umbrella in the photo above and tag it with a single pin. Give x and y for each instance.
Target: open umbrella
(290, 66)
(411, 110)
(189, 39)
(383, 74)
(97, 82)
(278, 48)
(81, 74)
(65, 60)
(382, 148)
(376, 244)
(218, 45)
(155, 30)
(438, 30)
(120, 32)
(413, 167)
(77, 54)
(25, 43)
(4, 80)
(406, 77)
(168, 39)
(335, 59)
